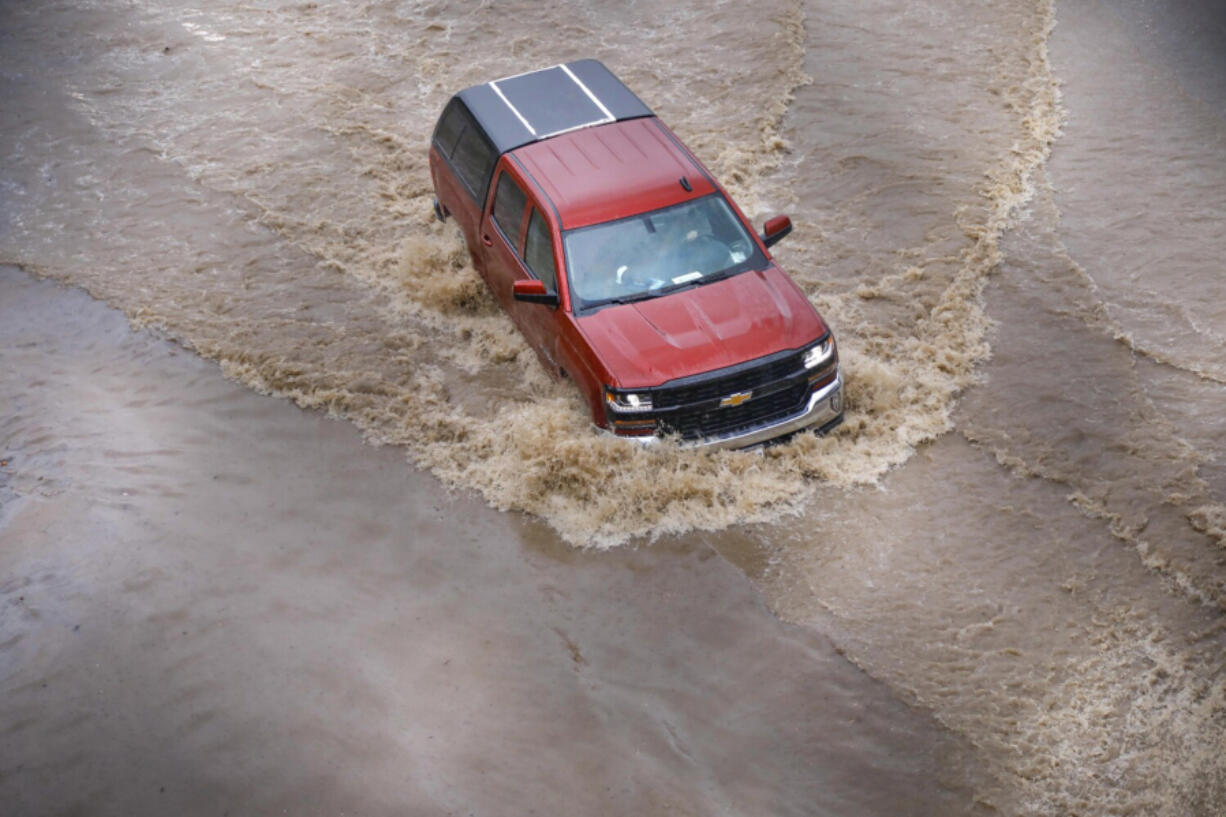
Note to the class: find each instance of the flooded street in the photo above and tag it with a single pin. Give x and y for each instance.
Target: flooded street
(214, 601)
(999, 588)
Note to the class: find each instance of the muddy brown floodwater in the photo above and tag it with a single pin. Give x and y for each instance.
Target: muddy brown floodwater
(999, 588)
(213, 602)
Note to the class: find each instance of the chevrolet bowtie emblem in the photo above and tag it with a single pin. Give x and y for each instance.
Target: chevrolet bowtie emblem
(735, 399)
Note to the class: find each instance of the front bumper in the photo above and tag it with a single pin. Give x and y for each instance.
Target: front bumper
(824, 410)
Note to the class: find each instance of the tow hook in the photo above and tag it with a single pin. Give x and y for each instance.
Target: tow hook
(439, 212)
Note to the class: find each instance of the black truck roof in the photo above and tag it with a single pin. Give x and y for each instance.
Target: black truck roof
(516, 110)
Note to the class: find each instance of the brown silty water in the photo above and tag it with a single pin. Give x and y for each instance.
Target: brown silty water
(211, 601)
(1046, 581)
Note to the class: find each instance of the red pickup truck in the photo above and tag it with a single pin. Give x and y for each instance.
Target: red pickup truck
(626, 265)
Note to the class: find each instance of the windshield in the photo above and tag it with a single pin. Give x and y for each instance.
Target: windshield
(654, 253)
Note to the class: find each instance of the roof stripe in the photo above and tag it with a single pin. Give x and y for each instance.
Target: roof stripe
(514, 110)
(608, 116)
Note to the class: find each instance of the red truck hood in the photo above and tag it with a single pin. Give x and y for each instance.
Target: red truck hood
(708, 327)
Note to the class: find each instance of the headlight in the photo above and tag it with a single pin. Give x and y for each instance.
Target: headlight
(628, 400)
(820, 354)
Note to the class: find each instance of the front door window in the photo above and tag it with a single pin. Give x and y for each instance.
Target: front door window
(509, 203)
(538, 251)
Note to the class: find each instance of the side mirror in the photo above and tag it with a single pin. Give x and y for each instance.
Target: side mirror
(533, 291)
(775, 229)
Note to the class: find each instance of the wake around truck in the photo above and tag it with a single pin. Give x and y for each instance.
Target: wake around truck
(627, 267)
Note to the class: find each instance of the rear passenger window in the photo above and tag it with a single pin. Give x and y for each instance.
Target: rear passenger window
(509, 203)
(473, 159)
(538, 251)
(449, 128)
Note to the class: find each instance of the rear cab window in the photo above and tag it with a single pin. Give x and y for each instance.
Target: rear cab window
(462, 144)
(450, 125)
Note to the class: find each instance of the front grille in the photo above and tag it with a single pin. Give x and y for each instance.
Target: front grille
(721, 384)
(712, 421)
(779, 387)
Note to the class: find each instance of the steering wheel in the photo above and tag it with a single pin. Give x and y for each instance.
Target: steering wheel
(635, 279)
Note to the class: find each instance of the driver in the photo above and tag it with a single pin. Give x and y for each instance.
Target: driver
(663, 251)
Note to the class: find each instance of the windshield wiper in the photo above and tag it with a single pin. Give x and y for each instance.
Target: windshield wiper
(727, 272)
(629, 299)
(664, 290)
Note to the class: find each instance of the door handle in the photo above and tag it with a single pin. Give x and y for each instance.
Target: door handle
(487, 241)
